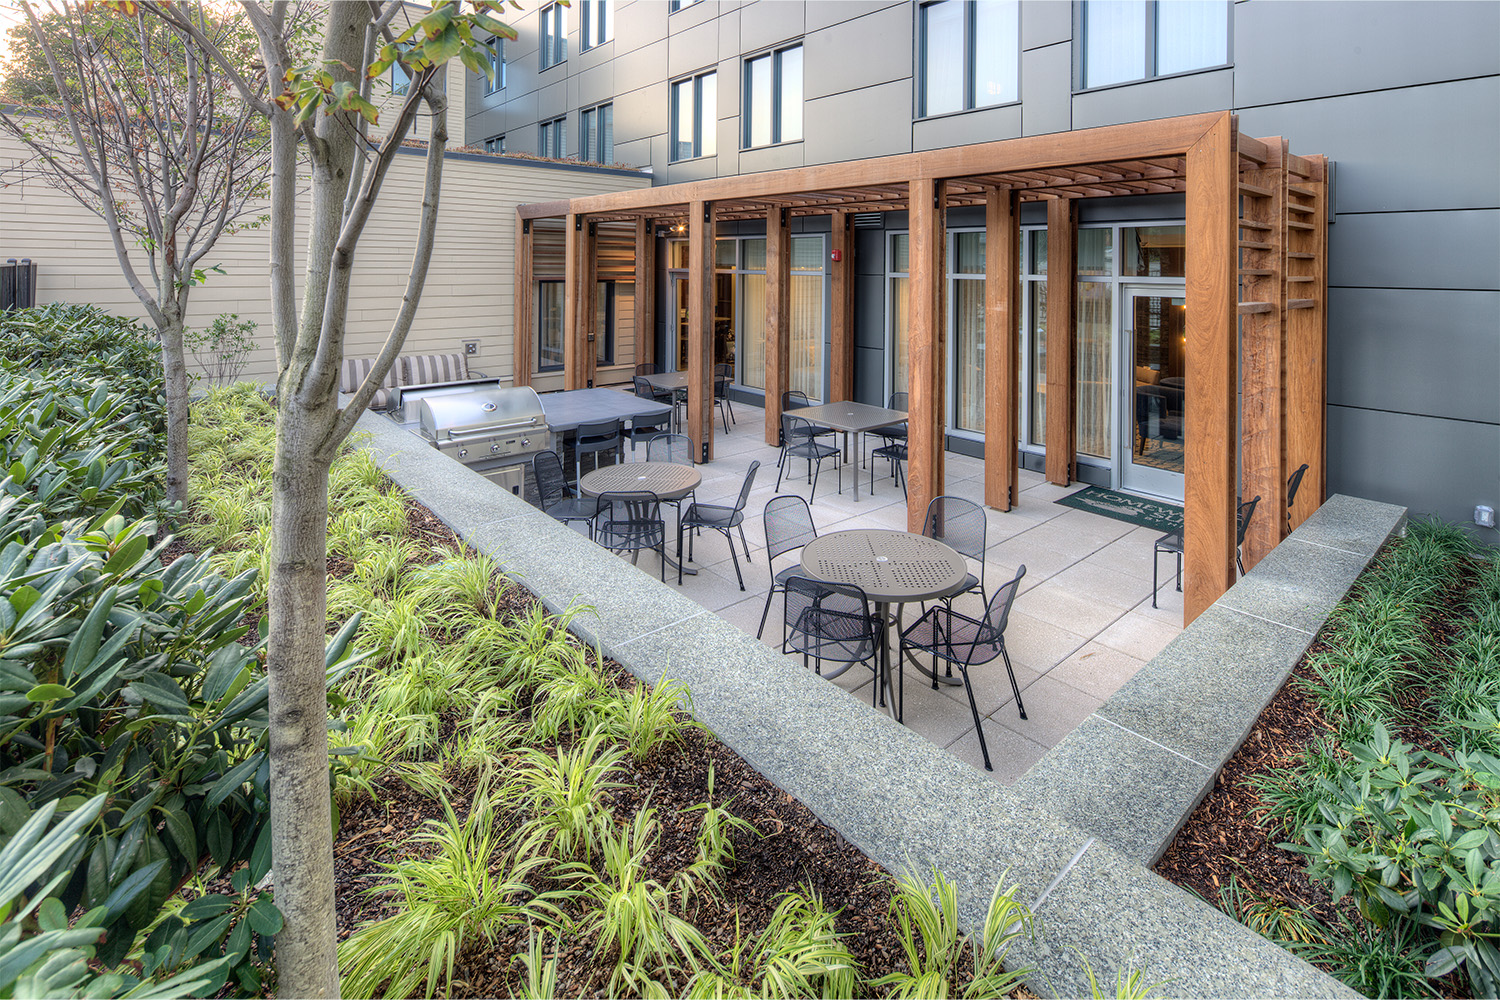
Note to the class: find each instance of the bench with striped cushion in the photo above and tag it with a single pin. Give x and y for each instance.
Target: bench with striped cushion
(354, 371)
(423, 369)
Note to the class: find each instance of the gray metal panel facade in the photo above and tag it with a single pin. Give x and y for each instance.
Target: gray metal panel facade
(1403, 96)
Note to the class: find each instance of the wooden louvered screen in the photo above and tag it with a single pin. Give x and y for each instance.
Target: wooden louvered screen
(614, 248)
(547, 250)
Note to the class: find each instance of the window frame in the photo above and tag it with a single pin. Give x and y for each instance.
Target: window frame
(494, 141)
(673, 6)
(559, 132)
(495, 48)
(554, 36)
(775, 55)
(541, 304)
(971, 65)
(584, 126)
(1080, 55)
(674, 114)
(586, 25)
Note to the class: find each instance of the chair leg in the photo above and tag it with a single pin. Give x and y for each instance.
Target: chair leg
(743, 541)
(661, 558)
(732, 555)
(1179, 571)
(1014, 688)
(978, 725)
(679, 550)
(1238, 562)
(764, 614)
(1155, 562)
(780, 469)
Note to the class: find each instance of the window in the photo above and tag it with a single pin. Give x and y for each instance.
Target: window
(694, 110)
(1126, 40)
(495, 144)
(898, 279)
(969, 55)
(549, 304)
(494, 57)
(773, 97)
(596, 23)
(400, 79)
(604, 323)
(553, 140)
(597, 143)
(554, 34)
(673, 6)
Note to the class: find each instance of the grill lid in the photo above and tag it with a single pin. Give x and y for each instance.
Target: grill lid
(484, 411)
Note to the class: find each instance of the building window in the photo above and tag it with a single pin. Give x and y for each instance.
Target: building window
(694, 109)
(549, 304)
(554, 34)
(773, 97)
(604, 324)
(673, 6)
(597, 143)
(596, 23)
(400, 79)
(495, 144)
(494, 57)
(970, 52)
(1125, 40)
(553, 139)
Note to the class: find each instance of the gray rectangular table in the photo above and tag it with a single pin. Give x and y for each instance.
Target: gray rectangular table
(566, 410)
(851, 418)
(671, 381)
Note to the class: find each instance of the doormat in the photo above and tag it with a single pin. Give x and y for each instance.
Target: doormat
(1124, 507)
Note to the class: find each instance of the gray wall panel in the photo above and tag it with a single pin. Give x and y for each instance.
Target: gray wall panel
(863, 52)
(767, 22)
(787, 154)
(1046, 89)
(552, 99)
(1045, 24)
(642, 66)
(729, 93)
(694, 49)
(641, 113)
(968, 127)
(869, 382)
(729, 32)
(838, 127)
(1416, 250)
(869, 311)
(699, 13)
(1442, 467)
(1349, 46)
(1415, 351)
(595, 85)
(869, 251)
(1165, 98)
(1399, 150)
(636, 153)
(823, 13)
(639, 24)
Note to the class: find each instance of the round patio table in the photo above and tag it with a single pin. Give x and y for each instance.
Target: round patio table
(668, 480)
(891, 567)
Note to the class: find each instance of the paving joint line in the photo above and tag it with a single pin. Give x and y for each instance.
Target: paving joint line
(1132, 732)
(1268, 621)
(662, 628)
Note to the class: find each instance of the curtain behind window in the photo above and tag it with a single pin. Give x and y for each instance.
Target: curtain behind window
(1091, 347)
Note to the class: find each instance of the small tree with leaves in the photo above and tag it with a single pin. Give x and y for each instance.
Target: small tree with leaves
(137, 123)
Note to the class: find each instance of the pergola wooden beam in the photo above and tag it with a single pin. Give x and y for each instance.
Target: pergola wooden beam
(1062, 290)
(1002, 353)
(927, 350)
(574, 263)
(1307, 331)
(700, 367)
(1209, 476)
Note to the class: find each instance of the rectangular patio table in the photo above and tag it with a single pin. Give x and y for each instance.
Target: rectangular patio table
(567, 409)
(667, 380)
(851, 418)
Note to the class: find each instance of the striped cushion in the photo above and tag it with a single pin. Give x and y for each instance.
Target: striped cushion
(420, 369)
(354, 371)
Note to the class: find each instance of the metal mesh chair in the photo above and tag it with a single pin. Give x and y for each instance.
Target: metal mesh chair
(965, 642)
(1172, 543)
(830, 621)
(1292, 486)
(798, 440)
(645, 390)
(789, 526)
(595, 439)
(721, 519)
(723, 374)
(895, 434)
(557, 499)
(631, 522)
(796, 399)
(895, 453)
(646, 428)
(647, 368)
(961, 525)
(676, 448)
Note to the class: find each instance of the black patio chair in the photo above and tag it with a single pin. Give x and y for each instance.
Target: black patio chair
(631, 522)
(961, 525)
(678, 449)
(721, 519)
(799, 441)
(646, 428)
(895, 434)
(830, 621)
(1172, 543)
(595, 439)
(789, 526)
(722, 376)
(796, 399)
(647, 368)
(1292, 486)
(645, 390)
(557, 499)
(965, 642)
(895, 453)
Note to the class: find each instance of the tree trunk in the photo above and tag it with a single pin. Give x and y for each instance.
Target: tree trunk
(174, 368)
(301, 813)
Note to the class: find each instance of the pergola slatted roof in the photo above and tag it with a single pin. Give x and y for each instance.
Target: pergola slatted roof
(1237, 274)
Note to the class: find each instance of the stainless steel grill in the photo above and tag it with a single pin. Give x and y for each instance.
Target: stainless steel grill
(494, 431)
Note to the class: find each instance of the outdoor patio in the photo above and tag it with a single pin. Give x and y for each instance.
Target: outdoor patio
(1080, 628)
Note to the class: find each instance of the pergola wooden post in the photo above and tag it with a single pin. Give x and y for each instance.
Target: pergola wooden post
(1212, 389)
(574, 265)
(1263, 453)
(1002, 348)
(778, 326)
(1307, 333)
(1062, 292)
(523, 323)
(700, 369)
(588, 306)
(927, 337)
(645, 292)
(841, 320)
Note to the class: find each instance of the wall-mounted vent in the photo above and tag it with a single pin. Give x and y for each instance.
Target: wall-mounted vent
(868, 220)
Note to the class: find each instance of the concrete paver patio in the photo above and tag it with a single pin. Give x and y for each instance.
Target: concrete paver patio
(1080, 628)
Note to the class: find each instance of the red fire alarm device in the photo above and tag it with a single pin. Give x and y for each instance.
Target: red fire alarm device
(838, 255)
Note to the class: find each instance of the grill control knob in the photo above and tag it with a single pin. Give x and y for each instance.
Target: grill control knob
(526, 442)
(462, 452)
(495, 448)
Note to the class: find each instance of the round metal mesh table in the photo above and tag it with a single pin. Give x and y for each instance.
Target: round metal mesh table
(668, 480)
(891, 567)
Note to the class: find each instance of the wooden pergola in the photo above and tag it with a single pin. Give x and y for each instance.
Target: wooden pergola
(1256, 289)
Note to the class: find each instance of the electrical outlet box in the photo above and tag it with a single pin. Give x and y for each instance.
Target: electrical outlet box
(471, 348)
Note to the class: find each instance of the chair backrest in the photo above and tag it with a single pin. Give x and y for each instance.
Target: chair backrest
(794, 399)
(789, 524)
(647, 368)
(642, 387)
(649, 427)
(598, 435)
(723, 370)
(1294, 484)
(958, 523)
(551, 483)
(899, 401)
(670, 448)
(1242, 515)
(747, 485)
(831, 621)
(997, 612)
(632, 507)
(793, 430)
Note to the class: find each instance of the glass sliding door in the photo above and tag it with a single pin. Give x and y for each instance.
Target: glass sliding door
(1154, 327)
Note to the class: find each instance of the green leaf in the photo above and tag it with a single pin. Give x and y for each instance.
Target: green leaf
(236, 776)
(445, 46)
(48, 692)
(205, 907)
(180, 829)
(24, 597)
(126, 892)
(205, 936)
(1445, 960)
(265, 918)
(127, 555)
(220, 839)
(13, 810)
